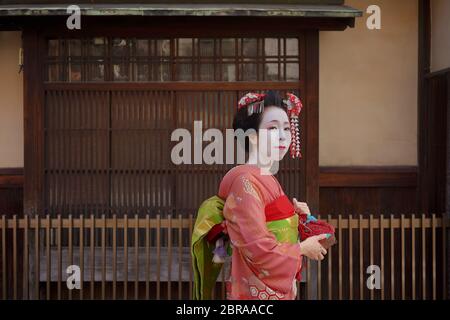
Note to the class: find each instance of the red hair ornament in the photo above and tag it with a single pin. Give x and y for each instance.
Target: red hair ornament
(294, 106)
(253, 101)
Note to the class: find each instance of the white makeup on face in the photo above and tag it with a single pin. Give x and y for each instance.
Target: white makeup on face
(276, 124)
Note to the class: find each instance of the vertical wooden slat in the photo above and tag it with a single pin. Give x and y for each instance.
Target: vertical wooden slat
(424, 265)
(114, 253)
(444, 257)
(361, 258)
(180, 256)
(70, 231)
(169, 255)
(37, 260)
(382, 254)
(125, 257)
(433, 241)
(413, 257)
(238, 56)
(340, 255)
(59, 254)
(147, 257)
(391, 242)
(371, 249)
(14, 257)
(195, 64)
(136, 257)
(350, 255)
(48, 254)
(4, 261)
(330, 273)
(25, 257)
(103, 243)
(402, 242)
(92, 254)
(81, 248)
(158, 256)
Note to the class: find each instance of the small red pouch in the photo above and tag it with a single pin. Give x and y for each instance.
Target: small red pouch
(309, 226)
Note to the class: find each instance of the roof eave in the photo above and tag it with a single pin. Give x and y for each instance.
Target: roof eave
(245, 10)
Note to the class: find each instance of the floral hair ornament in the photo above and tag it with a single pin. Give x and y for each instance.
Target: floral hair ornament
(254, 102)
(294, 106)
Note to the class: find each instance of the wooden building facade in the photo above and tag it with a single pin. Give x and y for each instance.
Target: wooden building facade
(98, 187)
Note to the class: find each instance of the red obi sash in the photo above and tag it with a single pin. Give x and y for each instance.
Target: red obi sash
(278, 209)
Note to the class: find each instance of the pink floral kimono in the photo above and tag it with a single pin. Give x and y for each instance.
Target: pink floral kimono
(266, 259)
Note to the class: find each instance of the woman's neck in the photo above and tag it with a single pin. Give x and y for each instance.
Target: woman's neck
(265, 166)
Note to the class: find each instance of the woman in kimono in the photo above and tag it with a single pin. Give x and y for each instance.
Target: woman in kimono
(251, 209)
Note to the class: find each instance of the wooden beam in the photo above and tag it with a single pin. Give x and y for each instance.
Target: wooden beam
(311, 117)
(310, 121)
(33, 122)
(423, 124)
(343, 177)
(184, 26)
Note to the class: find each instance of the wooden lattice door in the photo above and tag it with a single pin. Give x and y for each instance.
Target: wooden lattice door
(111, 105)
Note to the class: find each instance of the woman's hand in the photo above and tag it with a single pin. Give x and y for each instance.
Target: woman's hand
(312, 248)
(301, 207)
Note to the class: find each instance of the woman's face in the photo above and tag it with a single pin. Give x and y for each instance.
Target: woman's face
(277, 130)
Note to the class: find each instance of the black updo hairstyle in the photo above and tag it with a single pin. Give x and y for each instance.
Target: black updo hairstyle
(243, 121)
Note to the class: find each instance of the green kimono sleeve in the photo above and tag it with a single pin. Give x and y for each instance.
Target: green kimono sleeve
(205, 270)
